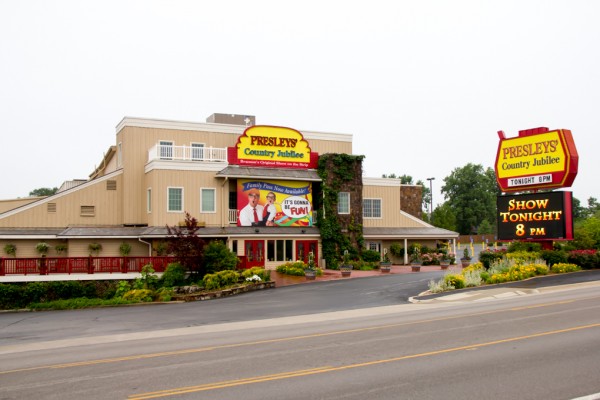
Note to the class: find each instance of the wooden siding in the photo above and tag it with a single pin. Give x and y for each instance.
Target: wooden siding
(6, 205)
(107, 205)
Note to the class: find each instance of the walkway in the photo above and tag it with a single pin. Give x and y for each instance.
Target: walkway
(330, 275)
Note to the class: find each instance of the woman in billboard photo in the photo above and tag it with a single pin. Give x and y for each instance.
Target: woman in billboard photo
(270, 210)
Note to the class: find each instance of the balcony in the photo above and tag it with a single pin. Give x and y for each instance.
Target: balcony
(187, 153)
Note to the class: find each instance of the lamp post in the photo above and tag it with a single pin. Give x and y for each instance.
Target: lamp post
(430, 197)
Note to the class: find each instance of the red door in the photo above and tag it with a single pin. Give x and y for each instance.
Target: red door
(255, 253)
(304, 247)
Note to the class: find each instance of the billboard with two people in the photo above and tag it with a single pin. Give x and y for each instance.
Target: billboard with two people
(274, 203)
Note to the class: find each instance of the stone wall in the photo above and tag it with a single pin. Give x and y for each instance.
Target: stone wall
(411, 199)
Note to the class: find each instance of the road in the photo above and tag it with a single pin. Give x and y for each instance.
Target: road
(542, 346)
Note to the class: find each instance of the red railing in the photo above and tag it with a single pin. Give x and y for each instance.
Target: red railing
(80, 265)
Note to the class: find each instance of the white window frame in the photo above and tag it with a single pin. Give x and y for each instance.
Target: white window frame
(345, 202)
(168, 198)
(371, 208)
(214, 210)
(161, 144)
(149, 200)
(196, 146)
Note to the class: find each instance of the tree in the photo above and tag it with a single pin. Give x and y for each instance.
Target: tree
(404, 179)
(443, 217)
(471, 193)
(218, 257)
(185, 244)
(43, 192)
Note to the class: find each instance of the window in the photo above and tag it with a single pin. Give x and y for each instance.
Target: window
(279, 250)
(208, 200)
(174, 199)
(343, 203)
(166, 150)
(197, 151)
(372, 208)
(149, 200)
(88, 211)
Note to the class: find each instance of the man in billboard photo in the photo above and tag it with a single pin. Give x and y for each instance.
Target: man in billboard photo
(252, 214)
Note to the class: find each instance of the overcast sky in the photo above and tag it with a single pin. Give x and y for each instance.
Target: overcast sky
(423, 86)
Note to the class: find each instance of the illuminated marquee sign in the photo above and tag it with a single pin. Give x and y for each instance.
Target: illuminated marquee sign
(276, 203)
(539, 216)
(536, 159)
(272, 146)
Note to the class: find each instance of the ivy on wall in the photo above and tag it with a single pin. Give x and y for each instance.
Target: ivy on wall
(340, 232)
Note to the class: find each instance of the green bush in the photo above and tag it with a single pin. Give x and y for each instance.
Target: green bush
(263, 274)
(164, 294)
(562, 268)
(523, 256)
(524, 246)
(11, 296)
(554, 256)
(586, 259)
(454, 280)
(35, 292)
(77, 303)
(397, 250)
(371, 256)
(139, 295)
(220, 279)
(487, 257)
(174, 275)
(218, 257)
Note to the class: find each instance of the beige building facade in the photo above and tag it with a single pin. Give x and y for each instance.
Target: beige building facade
(157, 170)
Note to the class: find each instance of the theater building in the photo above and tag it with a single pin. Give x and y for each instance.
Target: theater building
(256, 187)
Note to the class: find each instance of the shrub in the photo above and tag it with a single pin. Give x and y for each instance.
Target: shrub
(263, 274)
(397, 250)
(554, 256)
(164, 294)
(139, 295)
(487, 257)
(174, 275)
(472, 278)
(454, 280)
(35, 292)
(11, 296)
(148, 280)
(122, 288)
(586, 259)
(295, 268)
(77, 303)
(218, 257)
(371, 256)
(439, 286)
(522, 256)
(220, 279)
(524, 247)
(562, 268)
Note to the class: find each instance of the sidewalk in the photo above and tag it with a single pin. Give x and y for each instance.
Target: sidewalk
(330, 274)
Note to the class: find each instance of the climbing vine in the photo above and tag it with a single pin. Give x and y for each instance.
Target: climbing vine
(340, 173)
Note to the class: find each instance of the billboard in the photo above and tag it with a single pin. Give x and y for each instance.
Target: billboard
(274, 203)
(538, 216)
(536, 159)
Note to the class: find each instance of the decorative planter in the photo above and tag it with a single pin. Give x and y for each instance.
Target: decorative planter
(385, 267)
(346, 270)
(465, 262)
(444, 264)
(310, 274)
(415, 267)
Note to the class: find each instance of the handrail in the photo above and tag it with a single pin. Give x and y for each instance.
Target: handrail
(187, 153)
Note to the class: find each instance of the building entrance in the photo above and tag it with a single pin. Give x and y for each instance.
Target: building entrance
(304, 247)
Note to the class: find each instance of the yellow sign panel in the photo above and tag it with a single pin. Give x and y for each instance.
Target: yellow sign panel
(273, 146)
(531, 155)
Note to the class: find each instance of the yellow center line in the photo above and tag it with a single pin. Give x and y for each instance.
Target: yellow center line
(328, 369)
(277, 340)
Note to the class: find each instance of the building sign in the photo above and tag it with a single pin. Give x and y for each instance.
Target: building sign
(274, 203)
(536, 159)
(272, 146)
(539, 216)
